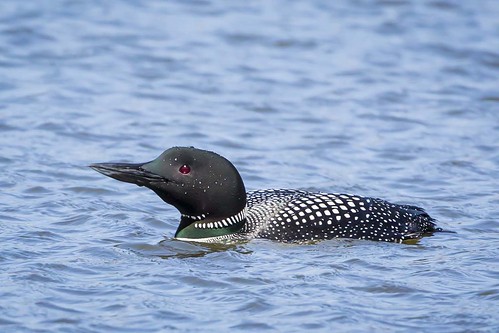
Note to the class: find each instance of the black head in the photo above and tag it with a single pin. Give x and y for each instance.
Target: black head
(201, 184)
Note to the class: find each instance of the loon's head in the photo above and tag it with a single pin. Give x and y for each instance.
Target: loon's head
(204, 186)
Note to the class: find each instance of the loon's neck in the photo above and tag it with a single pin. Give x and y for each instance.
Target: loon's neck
(203, 228)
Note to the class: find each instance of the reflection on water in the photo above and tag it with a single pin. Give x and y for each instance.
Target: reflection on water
(172, 248)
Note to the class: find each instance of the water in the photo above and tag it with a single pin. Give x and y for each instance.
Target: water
(394, 99)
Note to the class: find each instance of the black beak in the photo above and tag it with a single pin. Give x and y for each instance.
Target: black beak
(127, 172)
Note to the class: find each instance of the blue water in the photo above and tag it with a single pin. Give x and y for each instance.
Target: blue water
(392, 99)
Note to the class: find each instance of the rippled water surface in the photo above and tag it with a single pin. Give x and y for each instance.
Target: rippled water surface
(393, 99)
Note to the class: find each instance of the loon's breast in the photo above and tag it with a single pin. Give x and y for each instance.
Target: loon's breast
(298, 216)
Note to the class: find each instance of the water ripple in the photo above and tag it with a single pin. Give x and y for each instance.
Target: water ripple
(393, 99)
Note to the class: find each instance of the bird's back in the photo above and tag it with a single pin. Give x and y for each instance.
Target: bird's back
(300, 216)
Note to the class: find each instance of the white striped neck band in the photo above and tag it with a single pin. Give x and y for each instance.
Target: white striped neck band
(224, 223)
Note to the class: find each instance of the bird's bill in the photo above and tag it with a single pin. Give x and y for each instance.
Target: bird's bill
(128, 172)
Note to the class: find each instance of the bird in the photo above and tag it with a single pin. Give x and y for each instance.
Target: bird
(208, 191)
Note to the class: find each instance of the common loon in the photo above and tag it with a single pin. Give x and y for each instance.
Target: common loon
(210, 195)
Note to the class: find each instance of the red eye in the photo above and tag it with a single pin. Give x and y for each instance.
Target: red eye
(184, 169)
